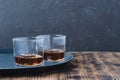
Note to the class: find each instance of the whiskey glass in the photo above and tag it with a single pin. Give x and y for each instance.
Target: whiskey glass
(54, 47)
(25, 51)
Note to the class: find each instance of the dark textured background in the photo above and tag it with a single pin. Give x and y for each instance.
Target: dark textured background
(88, 24)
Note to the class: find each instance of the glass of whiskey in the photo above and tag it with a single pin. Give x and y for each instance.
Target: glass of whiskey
(25, 51)
(54, 47)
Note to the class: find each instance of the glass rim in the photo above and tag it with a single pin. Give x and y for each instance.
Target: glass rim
(51, 35)
(23, 38)
(43, 36)
(57, 35)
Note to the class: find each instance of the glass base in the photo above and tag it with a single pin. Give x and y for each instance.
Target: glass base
(26, 65)
(59, 60)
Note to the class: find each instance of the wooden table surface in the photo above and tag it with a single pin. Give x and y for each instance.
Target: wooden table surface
(84, 66)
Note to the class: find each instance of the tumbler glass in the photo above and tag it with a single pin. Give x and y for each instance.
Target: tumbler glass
(54, 47)
(25, 51)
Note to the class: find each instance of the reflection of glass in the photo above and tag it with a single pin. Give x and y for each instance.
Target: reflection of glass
(55, 47)
(25, 53)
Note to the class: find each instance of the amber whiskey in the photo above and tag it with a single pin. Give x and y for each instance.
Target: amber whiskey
(28, 59)
(53, 55)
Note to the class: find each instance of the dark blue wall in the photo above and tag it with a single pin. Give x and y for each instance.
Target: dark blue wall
(88, 24)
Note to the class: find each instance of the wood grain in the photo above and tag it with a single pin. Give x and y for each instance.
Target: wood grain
(84, 66)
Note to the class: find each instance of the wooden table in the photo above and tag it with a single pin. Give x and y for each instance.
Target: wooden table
(84, 66)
